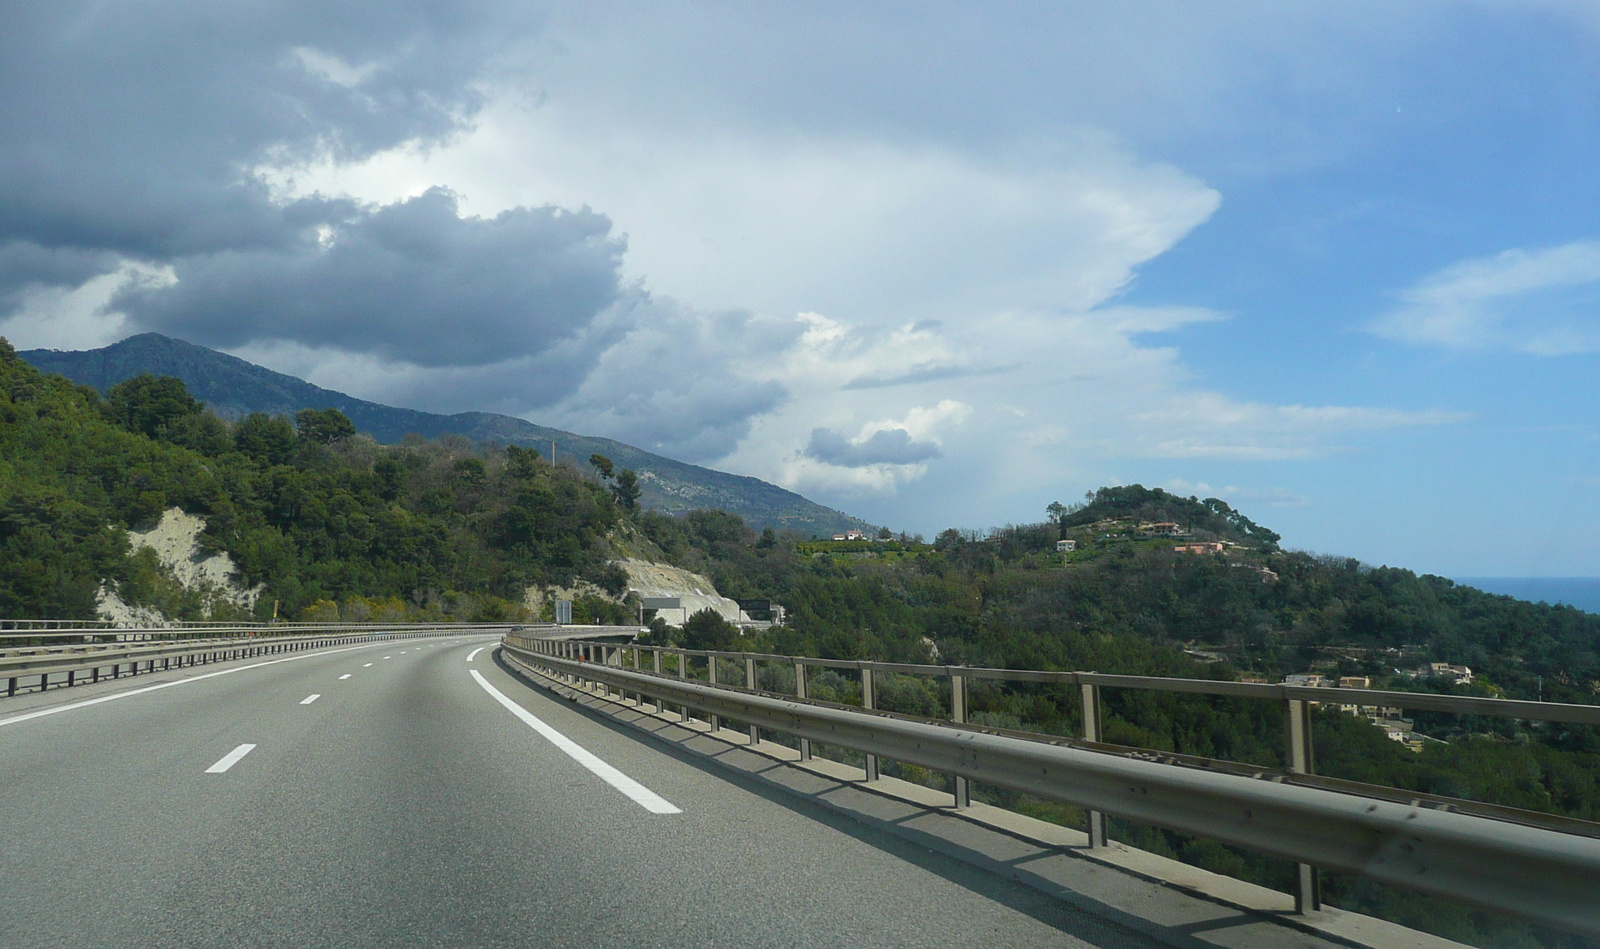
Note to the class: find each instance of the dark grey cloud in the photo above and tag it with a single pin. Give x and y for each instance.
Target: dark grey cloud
(25, 265)
(411, 281)
(683, 382)
(131, 128)
(890, 446)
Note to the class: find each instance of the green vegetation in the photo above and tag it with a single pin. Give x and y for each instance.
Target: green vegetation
(316, 515)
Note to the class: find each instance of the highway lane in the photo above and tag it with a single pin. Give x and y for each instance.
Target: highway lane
(407, 805)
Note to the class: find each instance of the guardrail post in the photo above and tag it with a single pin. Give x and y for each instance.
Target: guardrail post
(661, 705)
(869, 700)
(800, 693)
(1297, 731)
(715, 721)
(683, 673)
(750, 683)
(1091, 732)
(633, 650)
(958, 714)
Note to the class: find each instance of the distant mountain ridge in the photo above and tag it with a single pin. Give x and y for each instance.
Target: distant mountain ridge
(233, 388)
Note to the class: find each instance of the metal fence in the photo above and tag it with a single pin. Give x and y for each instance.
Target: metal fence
(80, 656)
(1542, 866)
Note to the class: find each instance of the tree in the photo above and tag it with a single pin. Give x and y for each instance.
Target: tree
(266, 438)
(150, 405)
(1058, 512)
(885, 533)
(323, 426)
(708, 630)
(604, 466)
(626, 490)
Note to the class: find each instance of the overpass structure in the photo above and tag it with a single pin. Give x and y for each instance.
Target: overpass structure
(389, 786)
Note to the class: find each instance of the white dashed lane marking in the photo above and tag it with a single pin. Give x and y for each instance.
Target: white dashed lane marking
(230, 759)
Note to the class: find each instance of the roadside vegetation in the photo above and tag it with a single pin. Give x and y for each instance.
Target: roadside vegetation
(331, 523)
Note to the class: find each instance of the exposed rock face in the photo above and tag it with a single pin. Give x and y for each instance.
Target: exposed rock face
(176, 543)
(692, 590)
(119, 612)
(534, 598)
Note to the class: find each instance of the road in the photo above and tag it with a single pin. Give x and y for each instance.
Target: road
(383, 795)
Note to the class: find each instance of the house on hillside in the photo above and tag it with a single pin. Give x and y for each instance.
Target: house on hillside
(851, 534)
(1310, 680)
(1206, 547)
(1460, 675)
(1066, 546)
(1161, 529)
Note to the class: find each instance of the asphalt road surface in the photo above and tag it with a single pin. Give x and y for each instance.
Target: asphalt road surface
(414, 793)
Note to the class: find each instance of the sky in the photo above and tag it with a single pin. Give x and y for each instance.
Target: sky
(1336, 263)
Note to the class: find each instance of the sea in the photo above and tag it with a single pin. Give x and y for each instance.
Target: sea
(1581, 592)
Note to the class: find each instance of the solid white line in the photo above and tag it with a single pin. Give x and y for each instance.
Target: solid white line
(641, 795)
(311, 698)
(473, 654)
(167, 685)
(345, 676)
(230, 759)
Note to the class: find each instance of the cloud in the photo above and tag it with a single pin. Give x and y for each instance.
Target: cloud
(685, 382)
(927, 372)
(898, 276)
(1272, 497)
(1543, 302)
(888, 446)
(411, 282)
(27, 266)
(1208, 425)
(130, 127)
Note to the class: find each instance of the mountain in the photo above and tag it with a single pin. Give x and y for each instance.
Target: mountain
(233, 388)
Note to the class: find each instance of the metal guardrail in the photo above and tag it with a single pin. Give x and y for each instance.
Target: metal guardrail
(38, 670)
(65, 631)
(1545, 873)
(79, 624)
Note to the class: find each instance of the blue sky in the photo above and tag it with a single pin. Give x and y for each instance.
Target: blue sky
(1336, 263)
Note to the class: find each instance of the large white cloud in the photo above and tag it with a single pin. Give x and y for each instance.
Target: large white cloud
(872, 252)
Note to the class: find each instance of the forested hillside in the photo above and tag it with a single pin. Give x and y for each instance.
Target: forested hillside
(319, 516)
(234, 388)
(1008, 598)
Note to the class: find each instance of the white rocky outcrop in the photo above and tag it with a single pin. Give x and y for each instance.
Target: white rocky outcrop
(693, 591)
(176, 543)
